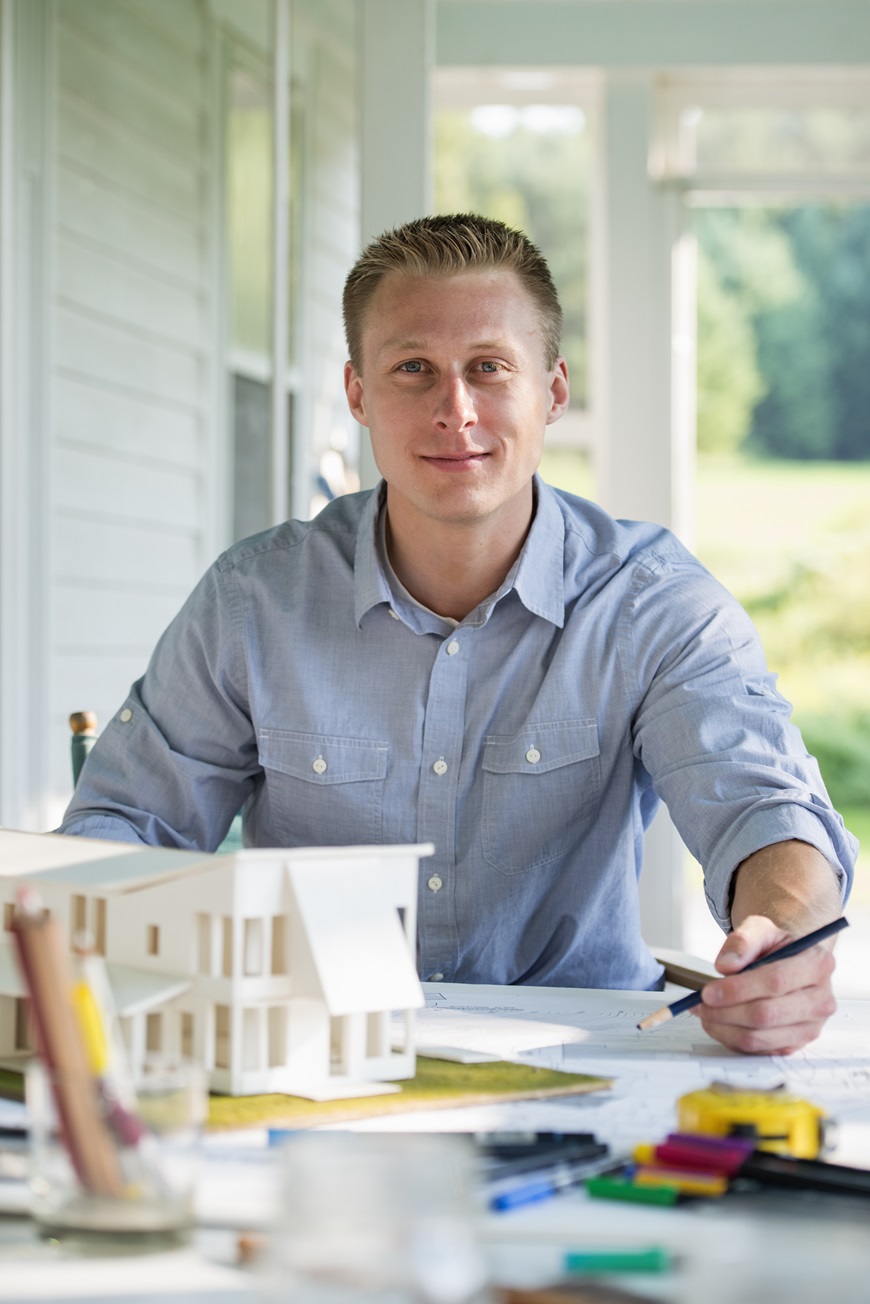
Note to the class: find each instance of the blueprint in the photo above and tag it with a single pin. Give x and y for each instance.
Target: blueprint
(592, 1031)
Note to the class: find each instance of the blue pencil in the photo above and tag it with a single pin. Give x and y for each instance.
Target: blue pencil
(784, 953)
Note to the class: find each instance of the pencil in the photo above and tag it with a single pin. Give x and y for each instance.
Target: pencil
(46, 975)
(784, 953)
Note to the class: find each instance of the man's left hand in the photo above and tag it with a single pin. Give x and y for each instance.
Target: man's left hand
(773, 1010)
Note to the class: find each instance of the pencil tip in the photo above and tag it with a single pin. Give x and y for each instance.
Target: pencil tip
(653, 1020)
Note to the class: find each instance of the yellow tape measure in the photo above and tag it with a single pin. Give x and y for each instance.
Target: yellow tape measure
(776, 1120)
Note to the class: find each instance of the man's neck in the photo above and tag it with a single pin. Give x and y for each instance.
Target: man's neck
(452, 567)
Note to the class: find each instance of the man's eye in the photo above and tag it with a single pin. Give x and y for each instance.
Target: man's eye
(490, 367)
(412, 367)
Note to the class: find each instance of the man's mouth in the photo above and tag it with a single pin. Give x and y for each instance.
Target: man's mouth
(455, 461)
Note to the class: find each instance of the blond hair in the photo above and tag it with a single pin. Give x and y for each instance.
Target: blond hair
(447, 246)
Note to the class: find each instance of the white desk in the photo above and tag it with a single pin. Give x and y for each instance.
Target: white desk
(766, 1248)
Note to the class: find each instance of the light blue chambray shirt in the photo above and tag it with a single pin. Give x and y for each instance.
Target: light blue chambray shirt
(531, 744)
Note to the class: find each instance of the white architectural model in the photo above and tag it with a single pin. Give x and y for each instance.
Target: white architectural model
(278, 970)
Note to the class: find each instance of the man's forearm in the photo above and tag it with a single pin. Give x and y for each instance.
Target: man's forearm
(789, 882)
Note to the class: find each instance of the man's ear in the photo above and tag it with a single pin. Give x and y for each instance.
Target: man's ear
(559, 391)
(353, 388)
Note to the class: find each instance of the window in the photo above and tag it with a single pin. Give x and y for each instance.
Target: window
(154, 1033)
(222, 1036)
(22, 1025)
(377, 1035)
(277, 1035)
(338, 1028)
(516, 144)
(187, 1027)
(152, 939)
(774, 168)
(78, 916)
(203, 944)
(279, 944)
(99, 929)
(227, 949)
(253, 947)
(250, 1039)
(738, 124)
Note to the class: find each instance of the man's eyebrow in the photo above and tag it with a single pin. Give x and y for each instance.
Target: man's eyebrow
(401, 344)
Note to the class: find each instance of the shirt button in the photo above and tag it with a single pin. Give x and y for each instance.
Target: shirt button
(435, 884)
(319, 766)
(393, 614)
(440, 766)
(533, 756)
(452, 648)
(436, 978)
(126, 715)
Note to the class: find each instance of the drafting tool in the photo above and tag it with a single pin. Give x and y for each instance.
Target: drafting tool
(62, 1048)
(796, 947)
(773, 1120)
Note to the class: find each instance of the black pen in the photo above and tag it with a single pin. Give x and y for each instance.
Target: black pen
(799, 945)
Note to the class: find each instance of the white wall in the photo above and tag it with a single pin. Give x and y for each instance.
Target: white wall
(115, 452)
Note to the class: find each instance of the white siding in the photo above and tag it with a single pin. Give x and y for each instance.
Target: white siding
(132, 330)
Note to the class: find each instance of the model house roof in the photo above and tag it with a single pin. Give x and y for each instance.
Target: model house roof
(357, 944)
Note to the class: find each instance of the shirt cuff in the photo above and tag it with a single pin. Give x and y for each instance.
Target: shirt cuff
(108, 828)
(783, 822)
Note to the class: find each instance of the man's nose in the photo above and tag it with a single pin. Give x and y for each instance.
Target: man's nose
(454, 409)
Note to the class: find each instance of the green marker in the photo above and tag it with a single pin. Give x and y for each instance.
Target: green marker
(618, 1188)
(592, 1261)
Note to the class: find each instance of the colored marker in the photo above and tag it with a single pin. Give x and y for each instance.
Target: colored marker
(548, 1184)
(799, 945)
(686, 1181)
(620, 1188)
(716, 1154)
(600, 1261)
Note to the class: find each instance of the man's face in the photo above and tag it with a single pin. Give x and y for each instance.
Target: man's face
(456, 394)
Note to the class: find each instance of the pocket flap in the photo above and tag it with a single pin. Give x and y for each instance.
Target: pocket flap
(322, 758)
(540, 748)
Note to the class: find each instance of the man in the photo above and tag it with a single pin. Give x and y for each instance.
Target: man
(467, 657)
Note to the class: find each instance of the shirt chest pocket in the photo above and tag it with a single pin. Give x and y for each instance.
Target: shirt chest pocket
(541, 789)
(324, 790)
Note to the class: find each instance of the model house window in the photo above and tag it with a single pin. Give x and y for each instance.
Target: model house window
(99, 925)
(152, 939)
(78, 916)
(203, 944)
(92, 922)
(222, 1036)
(227, 956)
(338, 1028)
(277, 1033)
(250, 1039)
(377, 1034)
(154, 1033)
(186, 1034)
(279, 944)
(253, 947)
(22, 1025)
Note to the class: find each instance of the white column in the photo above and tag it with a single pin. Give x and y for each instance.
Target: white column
(644, 458)
(279, 474)
(27, 71)
(397, 53)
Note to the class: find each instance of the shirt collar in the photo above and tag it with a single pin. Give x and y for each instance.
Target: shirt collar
(539, 573)
(540, 578)
(370, 584)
